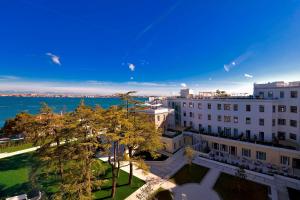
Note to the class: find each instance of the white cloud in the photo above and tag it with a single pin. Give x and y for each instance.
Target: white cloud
(237, 61)
(55, 59)
(248, 75)
(183, 85)
(131, 67)
(8, 77)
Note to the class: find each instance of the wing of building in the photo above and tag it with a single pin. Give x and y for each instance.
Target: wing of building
(261, 130)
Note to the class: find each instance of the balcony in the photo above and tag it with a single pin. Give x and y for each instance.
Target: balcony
(242, 138)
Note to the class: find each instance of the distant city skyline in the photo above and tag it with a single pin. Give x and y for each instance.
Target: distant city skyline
(153, 47)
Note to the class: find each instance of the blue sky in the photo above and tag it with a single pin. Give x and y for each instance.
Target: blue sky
(153, 46)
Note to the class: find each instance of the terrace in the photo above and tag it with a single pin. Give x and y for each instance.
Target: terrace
(242, 138)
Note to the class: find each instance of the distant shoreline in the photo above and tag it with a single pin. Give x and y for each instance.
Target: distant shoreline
(63, 96)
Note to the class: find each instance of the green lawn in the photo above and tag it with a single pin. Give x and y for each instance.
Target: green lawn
(14, 175)
(227, 187)
(15, 148)
(14, 179)
(189, 174)
(123, 189)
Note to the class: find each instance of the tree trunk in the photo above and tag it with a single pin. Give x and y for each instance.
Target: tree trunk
(118, 169)
(61, 169)
(88, 175)
(130, 166)
(114, 177)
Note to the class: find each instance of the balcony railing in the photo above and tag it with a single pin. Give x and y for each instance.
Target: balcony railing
(241, 138)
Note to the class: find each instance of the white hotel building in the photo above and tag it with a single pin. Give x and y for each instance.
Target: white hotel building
(263, 128)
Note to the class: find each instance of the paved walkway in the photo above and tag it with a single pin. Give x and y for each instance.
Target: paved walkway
(5, 155)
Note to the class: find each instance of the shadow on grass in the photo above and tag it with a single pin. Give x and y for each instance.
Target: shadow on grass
(14, 190)
(16, 162)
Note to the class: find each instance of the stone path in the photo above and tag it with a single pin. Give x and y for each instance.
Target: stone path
(5, 155)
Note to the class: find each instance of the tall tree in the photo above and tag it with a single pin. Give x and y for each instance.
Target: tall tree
(116, 125)
(86, 126)
(142, 135)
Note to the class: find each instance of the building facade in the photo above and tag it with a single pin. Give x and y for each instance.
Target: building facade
(264, 126)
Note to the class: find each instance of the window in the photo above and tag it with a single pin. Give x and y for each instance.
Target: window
(274, 109)
(248, 134)
(235, 132)
(219, 129)
(199, 106)
(215, 146)
(200, 127)
(261, 94)
(184, 123)
(248, 120)
(208, 117)
(199, 116)
(208, 106)
(294, 94)
(273, 122)
(191, 105)
(248, 108)
(184, 104)
(224, 147)
(226, 106)
(227, 118)
(281, 94)
(281, 108)
(219, 106)
(261, 122)
(284, 160)
(261, 108)
(219, 118)
(293, 123)
(261, 136)
(235, 107)
(235, 119)
(184, 114)
(246, 152)
(209, 128)
(191, 124)
(293, 136)
(270, 94)
(191, 114)
(261, 155)
(227, 131)
(293, 109)
(281, 122)
(232, 150)
(281, 135)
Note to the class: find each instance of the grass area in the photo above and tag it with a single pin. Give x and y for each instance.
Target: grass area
(14, 175)
(15, 171)
(162, 194)
(227, 186)
(293, 194)
(123, 190)
(15, 148)
(189, 174)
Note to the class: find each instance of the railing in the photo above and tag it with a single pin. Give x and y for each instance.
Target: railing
(243, 139)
